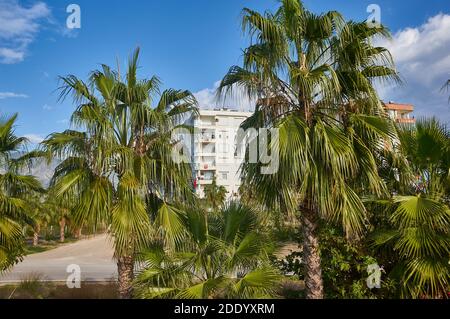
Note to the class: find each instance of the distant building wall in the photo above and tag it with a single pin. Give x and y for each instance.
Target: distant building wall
(215, 151)
(401, 113)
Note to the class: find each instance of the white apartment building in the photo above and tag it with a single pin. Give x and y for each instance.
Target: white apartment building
(215, 150)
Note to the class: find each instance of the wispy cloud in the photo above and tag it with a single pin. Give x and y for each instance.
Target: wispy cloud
(9, 95)
(63, 121)
(66, 32)
(19, 26)
(238, 100)
(34, 138)
(47, 107)
(423, 60)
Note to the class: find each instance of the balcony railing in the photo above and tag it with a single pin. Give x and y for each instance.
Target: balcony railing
(205, 166)
(205, 181)
(405, 120)
(210, 152)
(208, 139)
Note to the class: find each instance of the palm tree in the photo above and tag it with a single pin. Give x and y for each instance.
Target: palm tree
(48, 210)
(313, 79)
(223, 256)
(119, 171)
(414, 227)
(427, 150)
(446, 87)
(215, 195)
(41, 217)
(61, 217)
(15, 192)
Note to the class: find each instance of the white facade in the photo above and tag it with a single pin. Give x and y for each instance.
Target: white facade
(215, 152)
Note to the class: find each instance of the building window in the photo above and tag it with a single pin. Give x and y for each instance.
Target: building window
(224, 175)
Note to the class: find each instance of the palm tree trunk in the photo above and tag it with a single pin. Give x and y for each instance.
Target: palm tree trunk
(37, 230)
(62, 229)
(311, 255)
(125, 267)
(77, 233)
(125, 264)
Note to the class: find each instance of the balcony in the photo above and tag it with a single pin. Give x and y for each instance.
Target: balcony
(205, 166)
(207, 135)
(208, 139)
(206, 151)
(206, 124)
(205, 154)
(205, 179)
(405, 120)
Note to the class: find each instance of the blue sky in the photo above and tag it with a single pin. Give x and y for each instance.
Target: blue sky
(189, 45)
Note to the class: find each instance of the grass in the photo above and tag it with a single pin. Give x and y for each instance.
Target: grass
(46, 245)
(35, 288)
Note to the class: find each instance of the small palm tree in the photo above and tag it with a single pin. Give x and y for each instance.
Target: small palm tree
(16, 191)
(119, 171)
(223, 256)
(415, 242)
(215, 195)
(427, 150)
(41, 217)
(415, 234)
(48, 210)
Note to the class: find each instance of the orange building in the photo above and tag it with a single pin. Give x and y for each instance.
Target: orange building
(401, 113)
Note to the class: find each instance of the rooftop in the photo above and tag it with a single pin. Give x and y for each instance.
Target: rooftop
(399, 106)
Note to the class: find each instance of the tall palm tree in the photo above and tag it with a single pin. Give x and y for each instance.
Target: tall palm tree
(224, 255)
(413, 232)
(313, 78)
(15, 192)
(120, 168)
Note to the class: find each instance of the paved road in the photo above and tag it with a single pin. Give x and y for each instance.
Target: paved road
(93, 255)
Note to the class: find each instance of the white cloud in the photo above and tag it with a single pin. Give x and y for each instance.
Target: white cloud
(34, 138)
(47, 107)
(422, 55)
(11, 56)
(238, 100)
(63, 121)
(8, 95)
(18, 28)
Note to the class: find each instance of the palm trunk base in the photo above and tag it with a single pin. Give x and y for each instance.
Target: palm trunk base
(311, 256)
(77, 234)
(37, 230)
(35, 239)
(125, 267)
(62, 230)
